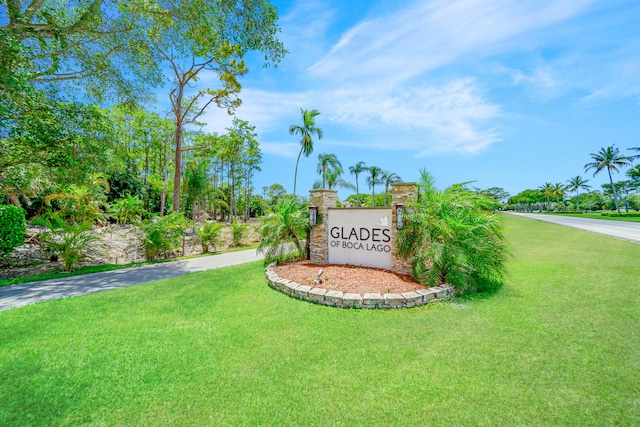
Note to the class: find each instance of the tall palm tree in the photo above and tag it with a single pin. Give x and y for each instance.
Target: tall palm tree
(334, 179)
(375, 174)
(306, 131)
(575, 184)
(547, 191)
(326, 162)
(356, 170)
(610, 159)
(389, 178)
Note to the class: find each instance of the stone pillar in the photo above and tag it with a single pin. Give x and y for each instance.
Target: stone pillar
(401, 193)
(319, 245)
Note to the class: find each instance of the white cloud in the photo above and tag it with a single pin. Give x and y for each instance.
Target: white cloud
(281, 149)
(426, 35)
(265, 110)
(450, 117)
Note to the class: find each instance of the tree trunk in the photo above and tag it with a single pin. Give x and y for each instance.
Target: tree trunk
(615, 193)
(295, 176)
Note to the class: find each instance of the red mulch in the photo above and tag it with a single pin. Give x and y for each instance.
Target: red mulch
(349, 278)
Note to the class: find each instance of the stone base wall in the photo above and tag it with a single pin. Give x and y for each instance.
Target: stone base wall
(401, 194)
(319, 245)
(352, 300)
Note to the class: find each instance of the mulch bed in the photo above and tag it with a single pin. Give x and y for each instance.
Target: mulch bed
(349, 278)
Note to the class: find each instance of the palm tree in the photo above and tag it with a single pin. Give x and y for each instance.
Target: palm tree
(356, 170)
(287, 224)
(547, 191)
(374, 179)
(450, 238)
(608, 158)
(389, 178)
(559, 190)
(334, 179)
(326, 162)
(575, 184)
(306, 131)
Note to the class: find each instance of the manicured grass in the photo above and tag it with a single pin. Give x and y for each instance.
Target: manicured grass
(558, 345)
(110, 267)
(595, 215)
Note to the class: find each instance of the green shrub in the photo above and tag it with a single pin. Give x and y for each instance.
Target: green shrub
(209, 234)
(12, 228)
(451, 238)
(127, 209)
(72, 243)
(625, 214)
(283, 231)
(79, 204)
(238, 232)
(163, 234)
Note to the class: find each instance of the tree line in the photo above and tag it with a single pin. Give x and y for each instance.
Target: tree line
(76, 100)
(608, 159)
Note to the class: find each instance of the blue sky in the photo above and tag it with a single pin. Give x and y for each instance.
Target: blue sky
(509, 93)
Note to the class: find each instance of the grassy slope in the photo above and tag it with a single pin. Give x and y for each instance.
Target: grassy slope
(559, 344)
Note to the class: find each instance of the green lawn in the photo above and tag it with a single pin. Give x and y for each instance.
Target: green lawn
(596, 215)
(558, 345)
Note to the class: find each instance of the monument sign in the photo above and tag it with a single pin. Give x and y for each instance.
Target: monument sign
(360, 236)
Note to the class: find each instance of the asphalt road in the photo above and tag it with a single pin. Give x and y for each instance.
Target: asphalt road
(618, 229)
(47, 290)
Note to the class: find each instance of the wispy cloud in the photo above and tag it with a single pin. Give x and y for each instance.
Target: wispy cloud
(426, 35)
(281, 149)
(451, 117)
(371, 80)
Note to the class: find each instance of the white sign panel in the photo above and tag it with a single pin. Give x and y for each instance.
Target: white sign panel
(360, 237)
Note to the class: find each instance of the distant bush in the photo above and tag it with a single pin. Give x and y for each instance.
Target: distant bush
(128, 209)
(209, 234)
(163, 234)
(616, 214)
(238, 232)
(12, 228)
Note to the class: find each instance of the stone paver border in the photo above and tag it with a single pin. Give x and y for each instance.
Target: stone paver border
(342, 300)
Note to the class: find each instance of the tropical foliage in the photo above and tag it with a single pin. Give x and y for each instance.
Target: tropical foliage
(210, 235)
(163, 235)
(238, 232)
(450, 238)
(71, 243)
(127, 210)
(286, 226)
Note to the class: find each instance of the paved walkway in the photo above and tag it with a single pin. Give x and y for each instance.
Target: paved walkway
(619, 229)
(47, 290)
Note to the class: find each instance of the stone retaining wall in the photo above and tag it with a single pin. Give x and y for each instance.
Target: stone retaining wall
(342, 300)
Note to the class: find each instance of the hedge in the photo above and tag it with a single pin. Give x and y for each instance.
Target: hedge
(12, 228)
(616, 214)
